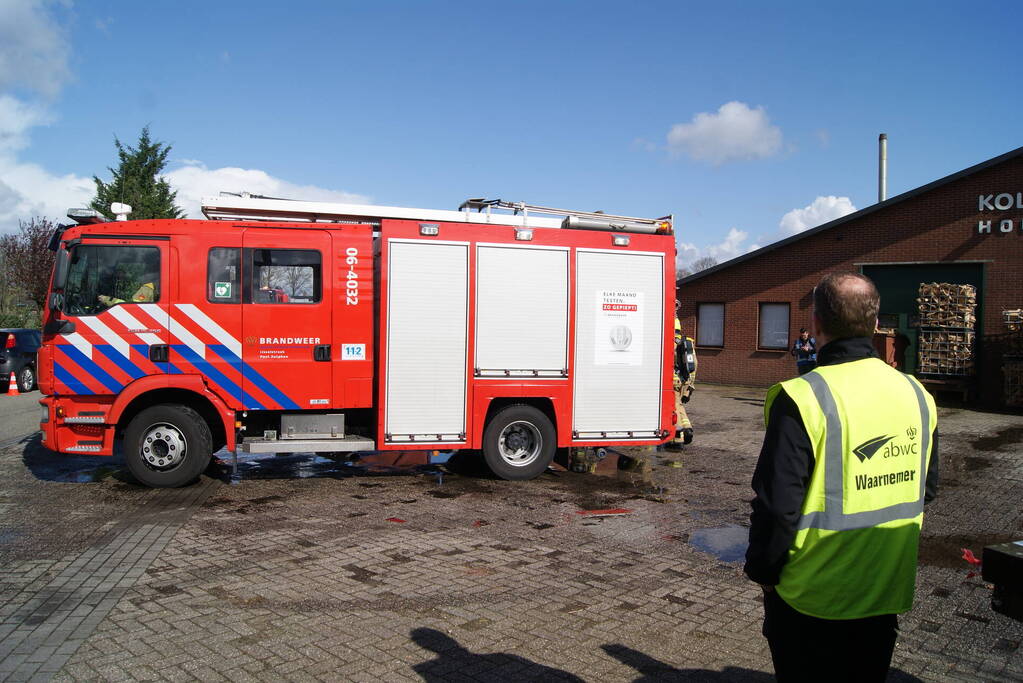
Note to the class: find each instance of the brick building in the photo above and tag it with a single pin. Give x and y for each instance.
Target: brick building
(966, 228)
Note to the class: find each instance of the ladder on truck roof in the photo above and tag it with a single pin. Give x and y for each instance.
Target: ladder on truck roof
(249, 207)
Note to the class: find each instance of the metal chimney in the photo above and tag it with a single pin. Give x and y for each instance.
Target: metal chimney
(882, 167)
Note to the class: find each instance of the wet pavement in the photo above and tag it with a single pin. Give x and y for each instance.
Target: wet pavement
(417, 565)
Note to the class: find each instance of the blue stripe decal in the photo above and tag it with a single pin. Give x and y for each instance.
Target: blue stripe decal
(120, 361)
(69, 380)
(91, 368)
(257, 379)
(217, 376)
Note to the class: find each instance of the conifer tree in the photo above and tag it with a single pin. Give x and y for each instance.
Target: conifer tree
(136, 181)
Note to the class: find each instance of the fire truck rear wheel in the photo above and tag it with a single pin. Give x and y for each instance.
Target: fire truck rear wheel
(167, 446)
(519, 443)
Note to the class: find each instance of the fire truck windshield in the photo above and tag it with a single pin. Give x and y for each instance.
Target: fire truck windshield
(101, 276)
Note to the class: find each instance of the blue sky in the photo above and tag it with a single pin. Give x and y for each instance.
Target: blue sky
(748, 121)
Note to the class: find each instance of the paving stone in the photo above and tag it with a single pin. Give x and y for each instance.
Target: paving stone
(301, 578)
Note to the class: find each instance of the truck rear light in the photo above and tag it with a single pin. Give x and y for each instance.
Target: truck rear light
(60, 411)
(620, 240)
(429, 229)
(523, 235)
(46, 415)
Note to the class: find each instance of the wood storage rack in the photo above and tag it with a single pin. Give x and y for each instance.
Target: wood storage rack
(946, 343)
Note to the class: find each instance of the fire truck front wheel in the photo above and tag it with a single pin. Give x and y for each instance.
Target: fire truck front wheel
(167, 446)
(519, 443)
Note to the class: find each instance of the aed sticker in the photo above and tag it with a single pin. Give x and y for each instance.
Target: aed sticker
(319, 401)
(222, 290)
(353, 352)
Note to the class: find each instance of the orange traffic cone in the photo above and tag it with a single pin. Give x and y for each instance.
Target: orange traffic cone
(12, 388)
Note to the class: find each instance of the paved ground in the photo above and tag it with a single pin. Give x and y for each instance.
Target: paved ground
(402, 570)
(20, 415)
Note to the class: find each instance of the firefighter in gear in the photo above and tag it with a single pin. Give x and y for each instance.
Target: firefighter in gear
(848, 461)
(143, 295)
(683, 383)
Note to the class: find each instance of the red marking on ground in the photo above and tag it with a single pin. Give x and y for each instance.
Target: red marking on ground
(481, 522)
(970, 557)
(396, 519)
(609, 511)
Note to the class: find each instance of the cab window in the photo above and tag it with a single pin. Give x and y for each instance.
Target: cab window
(285, 276)
(223, 276)
(102, 276)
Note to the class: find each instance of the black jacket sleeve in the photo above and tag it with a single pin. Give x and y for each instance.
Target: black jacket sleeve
(931, 488)
(780, 481)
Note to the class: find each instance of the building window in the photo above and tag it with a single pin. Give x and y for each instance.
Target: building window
(710, 324)
(774, 327)
(223, 275)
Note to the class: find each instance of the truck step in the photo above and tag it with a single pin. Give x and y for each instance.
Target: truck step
(347, 444)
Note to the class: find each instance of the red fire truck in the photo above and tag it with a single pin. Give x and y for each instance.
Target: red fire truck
(282, 326)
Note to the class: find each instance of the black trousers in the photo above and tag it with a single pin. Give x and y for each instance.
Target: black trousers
(806, 648)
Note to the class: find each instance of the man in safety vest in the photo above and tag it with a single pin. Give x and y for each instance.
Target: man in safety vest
(849, 459)
(143, 295)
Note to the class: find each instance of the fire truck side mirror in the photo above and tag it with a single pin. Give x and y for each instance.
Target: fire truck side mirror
(60, 269)
(56, 301)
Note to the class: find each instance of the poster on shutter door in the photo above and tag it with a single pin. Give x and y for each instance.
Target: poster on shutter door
(619, 328)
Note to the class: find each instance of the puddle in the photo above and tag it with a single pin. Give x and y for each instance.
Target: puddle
(974, 464)
(310, 465)
(1008, 436)
(87, 476)
(728, 544)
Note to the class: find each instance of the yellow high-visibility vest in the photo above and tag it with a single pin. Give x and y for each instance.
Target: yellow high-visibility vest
(855, 551)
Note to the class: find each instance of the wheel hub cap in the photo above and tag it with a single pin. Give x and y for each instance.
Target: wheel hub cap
(520, 444)
(163, 447)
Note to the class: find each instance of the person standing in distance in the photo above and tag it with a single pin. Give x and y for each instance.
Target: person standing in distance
(849, 458)
(805, 351)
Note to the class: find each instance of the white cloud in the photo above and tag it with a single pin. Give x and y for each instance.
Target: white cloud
(33, 59)
(193, 181)
(822, 210)
(734, 133)
(33, 47)
(34, 64)
(734, 244)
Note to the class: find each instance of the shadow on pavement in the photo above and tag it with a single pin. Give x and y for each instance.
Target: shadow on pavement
(47, 465)
(656, 670)
(452, 659)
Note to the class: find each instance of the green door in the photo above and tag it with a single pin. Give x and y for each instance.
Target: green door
(899, 286)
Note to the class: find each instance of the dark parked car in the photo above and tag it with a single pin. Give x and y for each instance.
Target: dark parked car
(18, 355)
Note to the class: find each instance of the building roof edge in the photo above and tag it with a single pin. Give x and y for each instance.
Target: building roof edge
(853, 216)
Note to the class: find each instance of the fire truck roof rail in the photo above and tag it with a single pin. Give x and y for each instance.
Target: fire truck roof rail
(250, 207)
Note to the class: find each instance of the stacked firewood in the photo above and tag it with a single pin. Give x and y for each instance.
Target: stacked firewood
(946, 352)
(948, 315)
(945, 305)
(1013, 383)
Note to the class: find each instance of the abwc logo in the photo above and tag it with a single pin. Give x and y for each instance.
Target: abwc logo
(888, 449)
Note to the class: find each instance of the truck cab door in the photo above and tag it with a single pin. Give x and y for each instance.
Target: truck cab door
(352, 292)
(113, 322)
(286, 318)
